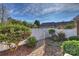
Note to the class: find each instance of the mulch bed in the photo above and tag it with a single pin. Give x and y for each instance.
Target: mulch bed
(21, 51)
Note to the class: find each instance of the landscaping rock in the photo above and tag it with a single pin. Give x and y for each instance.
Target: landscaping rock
(66, 54)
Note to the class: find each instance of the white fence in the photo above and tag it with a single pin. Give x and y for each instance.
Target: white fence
(42, 33)
(68, 32)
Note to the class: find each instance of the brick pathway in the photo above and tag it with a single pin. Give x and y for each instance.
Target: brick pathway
(53, 48)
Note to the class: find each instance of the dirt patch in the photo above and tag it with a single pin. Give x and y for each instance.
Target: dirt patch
(38, 50)
(21, 51)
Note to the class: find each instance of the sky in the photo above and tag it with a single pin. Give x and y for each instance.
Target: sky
(44, 12)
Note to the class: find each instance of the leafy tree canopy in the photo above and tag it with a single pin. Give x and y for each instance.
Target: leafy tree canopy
(37, 23)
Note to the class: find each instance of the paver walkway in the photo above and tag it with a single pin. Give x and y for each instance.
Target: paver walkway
(53, 48)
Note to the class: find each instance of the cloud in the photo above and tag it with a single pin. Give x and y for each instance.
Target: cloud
(38, 9)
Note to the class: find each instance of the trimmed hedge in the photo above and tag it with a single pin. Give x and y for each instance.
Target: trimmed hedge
(73, 38)
(71, 47)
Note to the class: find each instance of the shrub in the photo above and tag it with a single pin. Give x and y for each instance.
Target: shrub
(31, 41)
(51, 31)
(71, 47)
(69, 26)
(55, 38)
(61, 36)
(14, 33)
(73, 38)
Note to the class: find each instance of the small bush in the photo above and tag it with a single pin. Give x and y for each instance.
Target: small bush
(69, 27)
(51, 31)
(61, 36)
(55, 38)
(31, 41)
(71, 47)
(73, 38)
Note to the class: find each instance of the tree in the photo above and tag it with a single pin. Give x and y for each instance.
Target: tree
(14, 21)
(25, 23)
(3, 13)
(37, 23)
